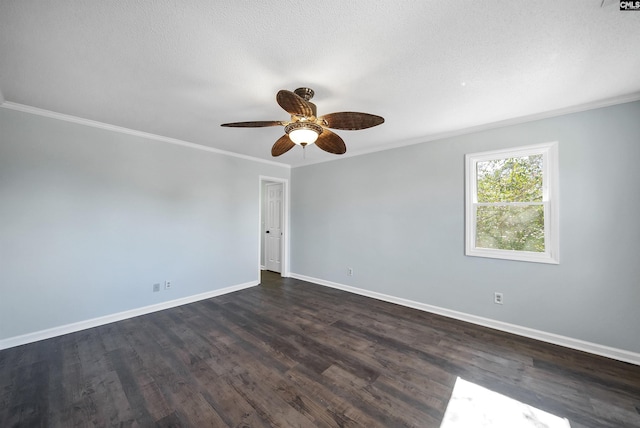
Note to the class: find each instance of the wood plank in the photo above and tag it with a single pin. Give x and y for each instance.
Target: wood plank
(290, 353)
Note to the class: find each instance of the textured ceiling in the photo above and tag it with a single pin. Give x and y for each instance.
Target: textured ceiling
(181, 68)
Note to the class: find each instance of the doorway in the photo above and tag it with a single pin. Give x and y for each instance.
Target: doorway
(274, 224)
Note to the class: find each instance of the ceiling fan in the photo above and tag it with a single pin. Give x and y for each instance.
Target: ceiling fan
(306, 127)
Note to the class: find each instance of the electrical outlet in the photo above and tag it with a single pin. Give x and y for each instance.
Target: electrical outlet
(156, 287)
(167, 284)
(497, 298)
(350, 271)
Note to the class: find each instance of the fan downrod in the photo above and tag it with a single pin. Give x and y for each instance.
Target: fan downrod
(304, 93)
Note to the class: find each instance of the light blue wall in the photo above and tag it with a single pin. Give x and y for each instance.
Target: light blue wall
(397, 218)
(90, 219)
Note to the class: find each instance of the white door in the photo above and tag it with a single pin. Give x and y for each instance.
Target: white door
(273, 227)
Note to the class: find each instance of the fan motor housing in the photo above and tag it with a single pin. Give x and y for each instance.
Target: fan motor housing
(297, 125)
(306, 93)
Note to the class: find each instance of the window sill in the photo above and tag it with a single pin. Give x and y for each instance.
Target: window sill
(523, 256)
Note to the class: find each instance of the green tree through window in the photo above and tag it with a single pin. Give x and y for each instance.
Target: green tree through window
(510, 214)
(512, 203)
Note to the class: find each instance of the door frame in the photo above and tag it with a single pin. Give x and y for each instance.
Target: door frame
(285, 222)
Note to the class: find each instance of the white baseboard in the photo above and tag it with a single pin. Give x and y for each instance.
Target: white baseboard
(568, 342)
(95, 322)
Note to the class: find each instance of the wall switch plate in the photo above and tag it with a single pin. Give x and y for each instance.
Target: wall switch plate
(167, 285)
(350, 271)
(156, 287)
(497, 298)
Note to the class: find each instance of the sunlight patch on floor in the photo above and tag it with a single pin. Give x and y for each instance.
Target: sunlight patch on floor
(472, 406)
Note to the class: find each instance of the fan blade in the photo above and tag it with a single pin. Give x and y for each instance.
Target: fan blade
(331, 142)
(351, 120)
(295, 105)
(283, 145)
(257, 124)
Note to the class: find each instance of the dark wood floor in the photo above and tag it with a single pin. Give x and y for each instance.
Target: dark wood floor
(294, 354)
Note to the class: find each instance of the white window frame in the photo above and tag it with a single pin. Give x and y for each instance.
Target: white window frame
(550, 173)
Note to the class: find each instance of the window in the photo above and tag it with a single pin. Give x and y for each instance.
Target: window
(512, 204)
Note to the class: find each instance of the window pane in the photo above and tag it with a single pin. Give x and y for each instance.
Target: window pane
(517, 179)
(518, 228)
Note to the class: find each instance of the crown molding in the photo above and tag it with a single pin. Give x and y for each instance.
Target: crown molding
(119, 129)
(608, 102)
(410, 142)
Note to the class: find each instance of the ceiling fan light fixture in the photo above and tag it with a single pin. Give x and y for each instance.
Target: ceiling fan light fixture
(303, 133)
(306, 127)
